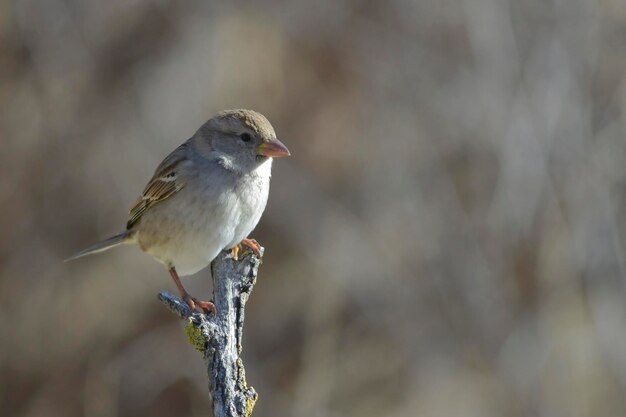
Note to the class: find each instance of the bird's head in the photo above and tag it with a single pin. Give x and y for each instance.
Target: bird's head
(242, 139)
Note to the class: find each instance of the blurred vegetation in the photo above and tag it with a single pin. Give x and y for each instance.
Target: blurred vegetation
(446, 240)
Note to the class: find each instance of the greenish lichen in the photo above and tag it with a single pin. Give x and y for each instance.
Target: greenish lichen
(250, 402)
(195, 336)
(248, 392)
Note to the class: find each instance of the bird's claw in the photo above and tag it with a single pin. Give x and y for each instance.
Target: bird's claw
(206, 306)
(234, 253)
(250, 243)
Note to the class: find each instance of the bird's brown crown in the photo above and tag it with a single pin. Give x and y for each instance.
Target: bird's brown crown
(233, 120)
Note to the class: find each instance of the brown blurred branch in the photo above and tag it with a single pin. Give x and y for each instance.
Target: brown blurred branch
(219, 337)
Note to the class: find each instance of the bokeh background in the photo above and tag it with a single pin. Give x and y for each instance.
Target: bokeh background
(446, 240)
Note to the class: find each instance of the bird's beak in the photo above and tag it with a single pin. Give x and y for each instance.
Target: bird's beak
(273, 148)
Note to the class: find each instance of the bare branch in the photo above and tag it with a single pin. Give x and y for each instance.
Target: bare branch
(219, 337)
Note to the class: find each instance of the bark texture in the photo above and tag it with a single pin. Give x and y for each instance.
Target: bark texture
(219, 337)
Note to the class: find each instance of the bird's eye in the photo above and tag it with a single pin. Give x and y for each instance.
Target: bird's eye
(245, 137)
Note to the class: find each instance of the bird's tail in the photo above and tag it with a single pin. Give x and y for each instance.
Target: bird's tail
(124, 237)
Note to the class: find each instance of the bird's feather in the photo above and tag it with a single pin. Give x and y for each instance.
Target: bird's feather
(165, 182)
(124, 237)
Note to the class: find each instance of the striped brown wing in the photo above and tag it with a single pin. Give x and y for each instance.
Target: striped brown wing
(165, 183)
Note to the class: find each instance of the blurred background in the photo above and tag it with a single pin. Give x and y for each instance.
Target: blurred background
(446, 240)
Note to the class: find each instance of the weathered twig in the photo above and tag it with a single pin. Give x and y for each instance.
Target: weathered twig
(219, 337)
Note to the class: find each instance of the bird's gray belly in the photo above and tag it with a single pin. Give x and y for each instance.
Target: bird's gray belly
(189, 236)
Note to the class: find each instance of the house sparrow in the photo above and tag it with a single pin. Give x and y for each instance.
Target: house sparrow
(206, 196)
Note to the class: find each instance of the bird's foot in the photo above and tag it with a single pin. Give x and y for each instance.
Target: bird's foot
(206, 306)
(251, 243)
(234, 253)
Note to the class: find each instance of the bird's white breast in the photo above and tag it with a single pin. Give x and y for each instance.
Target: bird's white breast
(214, 211)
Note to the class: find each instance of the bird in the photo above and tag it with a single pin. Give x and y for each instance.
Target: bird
(206, 196)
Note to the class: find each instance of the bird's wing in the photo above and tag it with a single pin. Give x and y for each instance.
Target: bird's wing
(167, 180)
